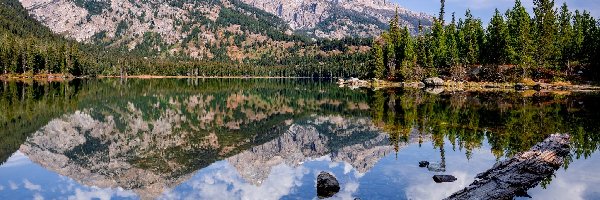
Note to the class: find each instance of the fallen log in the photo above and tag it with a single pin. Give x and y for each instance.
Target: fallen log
(518, 174)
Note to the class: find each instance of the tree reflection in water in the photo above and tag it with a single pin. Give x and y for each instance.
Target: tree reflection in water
(105, 132)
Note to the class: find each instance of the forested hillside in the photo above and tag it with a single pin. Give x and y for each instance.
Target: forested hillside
(553, 44)
(27, 47)
(242, 40)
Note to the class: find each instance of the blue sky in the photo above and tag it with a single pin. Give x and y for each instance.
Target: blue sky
(484, 9)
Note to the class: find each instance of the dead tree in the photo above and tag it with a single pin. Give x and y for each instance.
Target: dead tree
(518, 174)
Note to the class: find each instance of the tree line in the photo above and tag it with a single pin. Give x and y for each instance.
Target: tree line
(553, 44)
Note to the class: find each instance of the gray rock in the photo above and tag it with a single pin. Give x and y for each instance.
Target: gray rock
(327, 185)
(444, 178)
(423, 164)
(435, 81)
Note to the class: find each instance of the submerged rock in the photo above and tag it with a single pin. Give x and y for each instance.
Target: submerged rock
(435, 81)
(327, 185)
(444, 178)
(423, 164)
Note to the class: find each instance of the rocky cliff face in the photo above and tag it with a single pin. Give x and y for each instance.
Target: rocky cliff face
(340, 18)
(201, 29)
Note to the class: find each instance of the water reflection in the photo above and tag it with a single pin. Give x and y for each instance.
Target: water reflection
(269, 139)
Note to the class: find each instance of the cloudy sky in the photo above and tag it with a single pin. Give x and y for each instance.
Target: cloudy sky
(485, 8)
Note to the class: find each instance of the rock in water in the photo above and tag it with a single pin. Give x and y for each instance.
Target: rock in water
(423, 164)
(435, 81)
(444, 178)
(327, 185)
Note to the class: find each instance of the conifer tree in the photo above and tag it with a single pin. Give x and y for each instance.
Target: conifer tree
(452, 43)
(377, 52)
(546, 30)
(442, 11)
(565, 35)
(497, 39)
(471, 39)
(520, 31)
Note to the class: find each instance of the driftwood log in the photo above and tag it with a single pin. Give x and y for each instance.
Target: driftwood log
(518, 174)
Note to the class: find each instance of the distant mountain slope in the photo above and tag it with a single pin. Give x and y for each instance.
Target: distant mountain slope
(340, 18)
(218, 29)
(199, 29)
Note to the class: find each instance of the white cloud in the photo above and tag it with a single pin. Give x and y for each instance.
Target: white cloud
(100, 193)
(38, 196)
(12, 185)
(579, 181)
(30, 186)
(1, 187)
(223, 182)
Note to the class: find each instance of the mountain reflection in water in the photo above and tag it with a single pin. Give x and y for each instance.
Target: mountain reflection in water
(269, 139)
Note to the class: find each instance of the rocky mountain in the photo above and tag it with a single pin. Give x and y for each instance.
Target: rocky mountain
(340, 18)
(216, 29)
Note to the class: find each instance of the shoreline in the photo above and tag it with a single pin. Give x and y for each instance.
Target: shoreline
(456, 86)
(207, 77)
(452, 86)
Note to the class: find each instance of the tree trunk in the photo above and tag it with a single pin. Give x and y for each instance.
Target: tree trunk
(518, 174)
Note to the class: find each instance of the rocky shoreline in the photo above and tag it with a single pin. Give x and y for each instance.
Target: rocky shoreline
(437, 84)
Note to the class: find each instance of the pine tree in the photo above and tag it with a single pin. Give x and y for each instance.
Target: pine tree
(438, 44)
(452, 43)
(423, 50)
(442, 11)
(378, 60)
(565, 35)
(471, 39)
(409, 59)
(546, 30)
(497, 39)
(521, 43)
(391, 59)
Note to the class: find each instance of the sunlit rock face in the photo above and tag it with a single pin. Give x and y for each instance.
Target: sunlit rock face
(85, 19)
(338, 19)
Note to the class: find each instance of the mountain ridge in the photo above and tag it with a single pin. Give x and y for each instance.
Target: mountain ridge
(225, 29)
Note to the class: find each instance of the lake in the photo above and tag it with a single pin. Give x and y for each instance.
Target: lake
(270, 138)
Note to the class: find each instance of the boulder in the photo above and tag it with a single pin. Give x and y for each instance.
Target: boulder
(327, 185)
(423, 164)
(435, 81)
(444, 178)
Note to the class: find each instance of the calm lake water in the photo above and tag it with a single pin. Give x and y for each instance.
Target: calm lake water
(270, 138)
